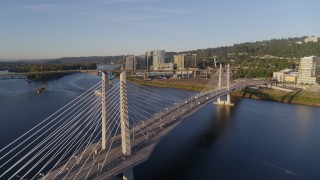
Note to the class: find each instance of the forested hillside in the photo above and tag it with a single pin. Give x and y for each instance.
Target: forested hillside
(258, 59)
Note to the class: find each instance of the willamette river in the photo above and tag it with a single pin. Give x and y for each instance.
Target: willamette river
(253, 140)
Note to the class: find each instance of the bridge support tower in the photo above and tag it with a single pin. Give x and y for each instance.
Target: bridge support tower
(105, 124)
(124, 121)
(228, 101)
(145, 76)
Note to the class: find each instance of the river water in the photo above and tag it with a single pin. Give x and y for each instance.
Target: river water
(253, 140)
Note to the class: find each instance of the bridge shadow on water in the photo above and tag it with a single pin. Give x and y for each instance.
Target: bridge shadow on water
(189, 144)
(256, 94)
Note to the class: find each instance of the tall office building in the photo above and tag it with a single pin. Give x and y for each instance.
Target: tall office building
(309, 70)
(142, 62)
(131, 63)
(149, 60)
(154, 59)
(184, 61)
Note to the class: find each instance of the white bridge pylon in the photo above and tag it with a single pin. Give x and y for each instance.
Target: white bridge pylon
(228, 101)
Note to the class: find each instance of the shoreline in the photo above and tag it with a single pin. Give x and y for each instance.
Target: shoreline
(265, 94)
(295, 97)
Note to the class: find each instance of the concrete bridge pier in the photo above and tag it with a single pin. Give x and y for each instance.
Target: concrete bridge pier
(128, 174)
(224, 103)
(124, 122)
(228, 101)
(145, 77)
(106, 86)
(175, 74)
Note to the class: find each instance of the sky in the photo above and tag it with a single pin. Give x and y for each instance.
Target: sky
(40, 29)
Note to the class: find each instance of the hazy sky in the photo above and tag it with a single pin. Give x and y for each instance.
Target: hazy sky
(59, 28)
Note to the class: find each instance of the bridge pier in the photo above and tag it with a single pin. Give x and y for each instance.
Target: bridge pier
(228, 101)
(145, 77)
(124, 121)
(124, 118)
(128, 174)
(105, 123)
(224, 103)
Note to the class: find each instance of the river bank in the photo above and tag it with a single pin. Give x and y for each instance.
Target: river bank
(294, 97)
(266, 94)
(184, 84)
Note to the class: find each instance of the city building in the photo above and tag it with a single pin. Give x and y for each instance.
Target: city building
(142, 62)
(149, 60)
(291, 77)
(280, 75)
(165, 66)
(309, 70)
(185, 61)
(311, 39)
(154, 59)
(131, 62)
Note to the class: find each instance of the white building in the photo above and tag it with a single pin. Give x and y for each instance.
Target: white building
(309, 70)
(280, 75)
(311, 39)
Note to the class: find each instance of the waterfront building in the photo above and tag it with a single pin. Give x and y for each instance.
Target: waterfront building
(142, 62)
(154, 59)
(309, 70)
(280, 75)
(311, 39)
(291, 77)
(185, 61)
(149, 60)
(165, 66)
(131, 62)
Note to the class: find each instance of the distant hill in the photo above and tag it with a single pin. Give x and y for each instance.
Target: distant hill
(277, 53)
(290, 47)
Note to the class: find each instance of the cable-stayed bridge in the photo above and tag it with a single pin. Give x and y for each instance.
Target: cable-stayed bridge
(107, 130)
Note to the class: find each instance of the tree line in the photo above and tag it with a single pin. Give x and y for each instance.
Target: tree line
(49, 67)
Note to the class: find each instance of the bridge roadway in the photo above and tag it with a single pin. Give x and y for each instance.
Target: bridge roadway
(142, 146)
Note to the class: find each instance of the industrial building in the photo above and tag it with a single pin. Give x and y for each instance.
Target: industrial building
(185, 61)
(309, 70)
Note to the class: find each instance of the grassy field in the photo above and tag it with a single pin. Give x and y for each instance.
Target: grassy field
(295, 97)
(186, 84)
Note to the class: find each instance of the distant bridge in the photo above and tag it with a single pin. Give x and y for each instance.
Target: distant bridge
(24, 75)
(81, 140)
